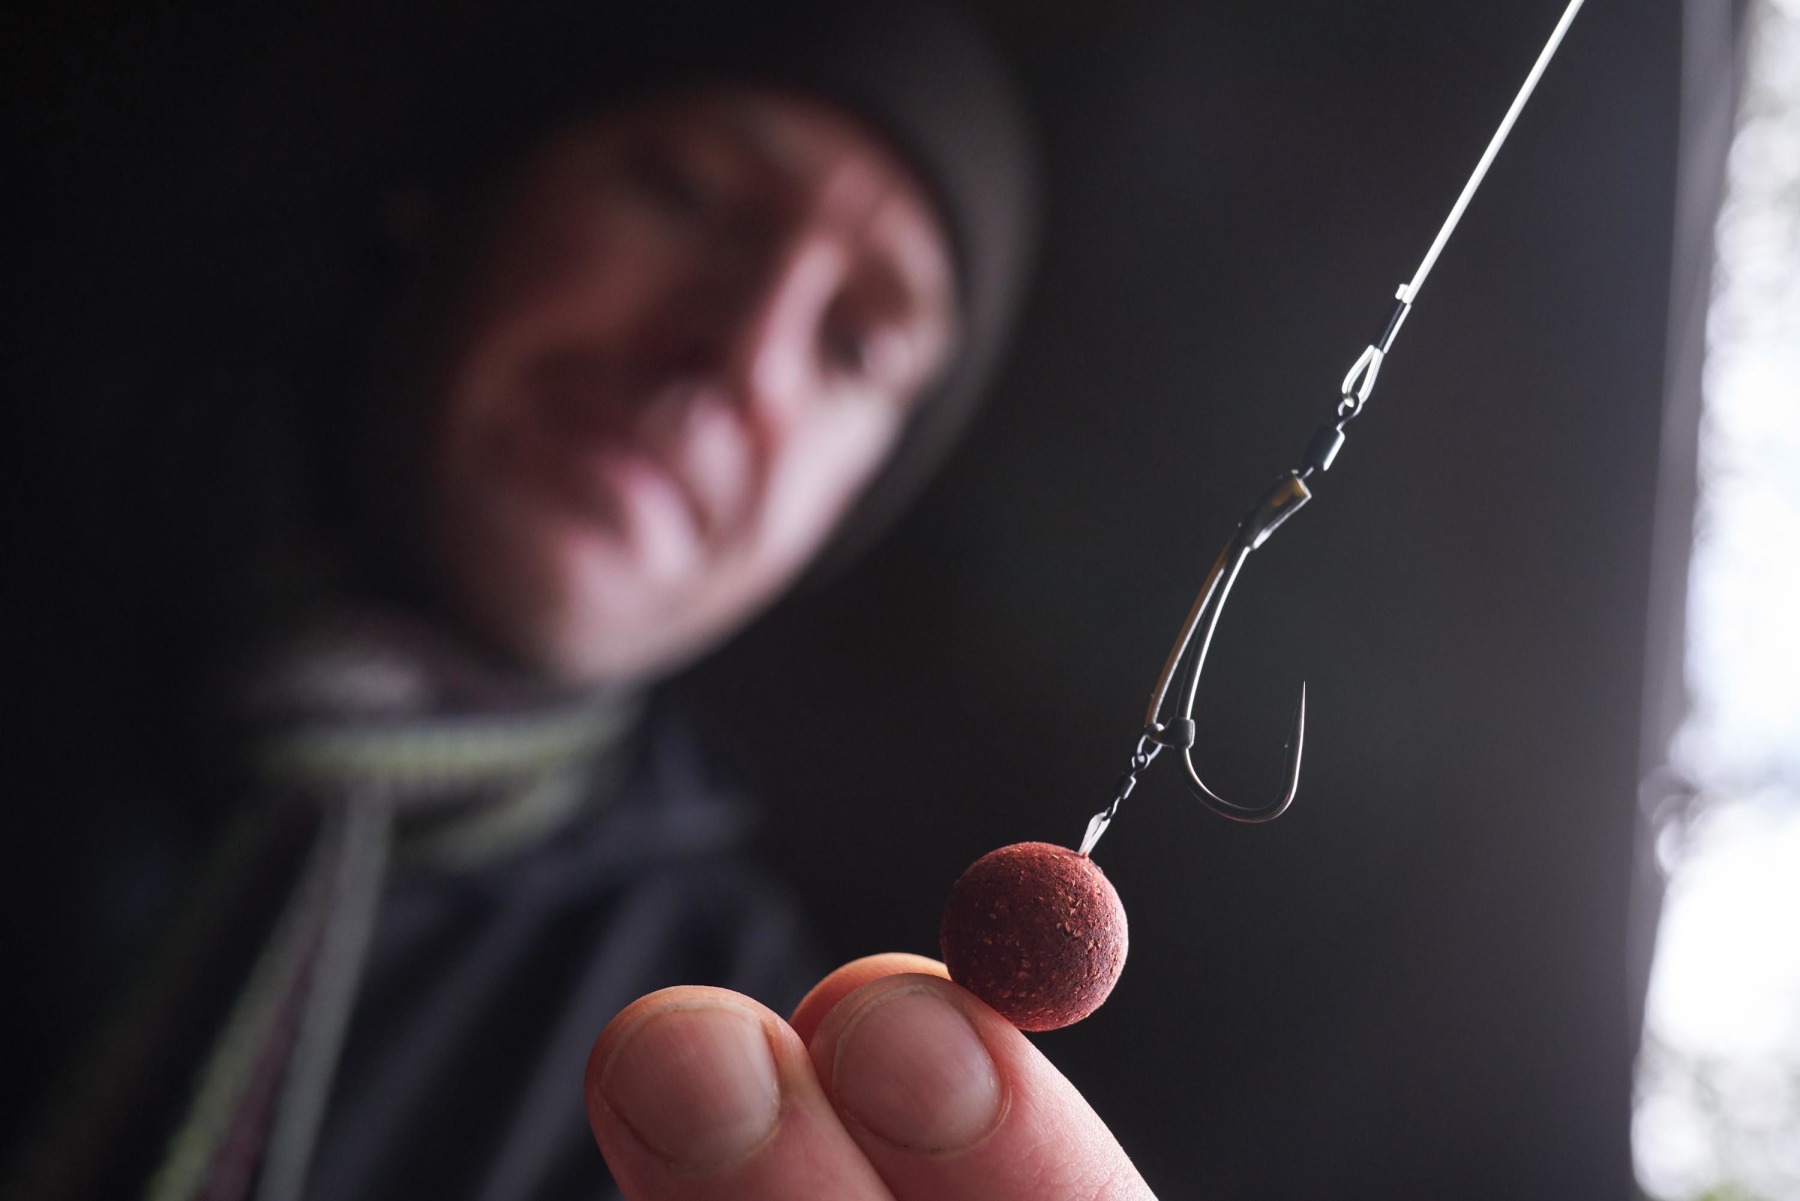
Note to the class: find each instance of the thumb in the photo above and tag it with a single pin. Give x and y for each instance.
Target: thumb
(950, 1102)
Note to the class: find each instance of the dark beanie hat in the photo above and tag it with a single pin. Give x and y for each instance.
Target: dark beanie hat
(919, 74)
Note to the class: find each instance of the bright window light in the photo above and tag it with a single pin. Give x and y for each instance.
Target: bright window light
(1718, 1107)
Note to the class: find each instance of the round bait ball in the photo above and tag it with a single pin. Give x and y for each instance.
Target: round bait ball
(1037, 932)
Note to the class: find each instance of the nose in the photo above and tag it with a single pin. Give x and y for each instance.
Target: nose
(770, 349)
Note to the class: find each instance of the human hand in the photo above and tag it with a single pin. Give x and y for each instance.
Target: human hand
(889, 1081)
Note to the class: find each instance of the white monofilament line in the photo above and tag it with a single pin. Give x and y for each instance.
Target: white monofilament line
(1410, 291)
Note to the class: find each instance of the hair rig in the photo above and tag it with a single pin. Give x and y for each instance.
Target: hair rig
(1036, 930)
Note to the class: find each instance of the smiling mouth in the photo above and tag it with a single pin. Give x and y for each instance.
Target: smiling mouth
(620, 452)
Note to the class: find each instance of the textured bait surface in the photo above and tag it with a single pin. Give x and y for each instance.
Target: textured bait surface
(1037, 932)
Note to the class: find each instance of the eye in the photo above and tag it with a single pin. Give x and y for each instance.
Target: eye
(848, 347)
(880, 332)
(668, 184)
(679, 181)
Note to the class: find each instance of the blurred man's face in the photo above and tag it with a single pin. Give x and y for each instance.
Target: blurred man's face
(693, 331)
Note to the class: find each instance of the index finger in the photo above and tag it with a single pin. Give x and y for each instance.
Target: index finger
(826, 994)
(950, 1102)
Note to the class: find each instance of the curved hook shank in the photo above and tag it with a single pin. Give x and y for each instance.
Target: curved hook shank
(1223, 571)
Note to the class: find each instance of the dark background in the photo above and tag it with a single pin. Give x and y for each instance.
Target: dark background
(1416, 983)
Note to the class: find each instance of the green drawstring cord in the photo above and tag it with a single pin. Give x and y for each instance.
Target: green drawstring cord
(367, 829)
(229, 1069)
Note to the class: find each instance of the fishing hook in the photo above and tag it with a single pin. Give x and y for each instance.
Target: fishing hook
(1283, 499)
(1278, 504)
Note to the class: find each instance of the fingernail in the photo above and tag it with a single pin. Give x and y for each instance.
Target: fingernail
(696, 1083)
(911, 1068)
